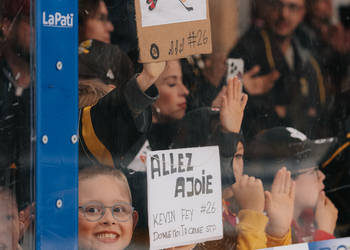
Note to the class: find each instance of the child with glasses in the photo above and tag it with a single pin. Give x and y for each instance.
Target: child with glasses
(314, 216)
(106, 216)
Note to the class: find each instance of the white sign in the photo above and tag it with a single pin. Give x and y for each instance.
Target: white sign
(158, 12)
(184, 196)
(58, 20)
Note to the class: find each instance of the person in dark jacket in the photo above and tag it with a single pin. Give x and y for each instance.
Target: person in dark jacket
(15, 96)
(283, 80)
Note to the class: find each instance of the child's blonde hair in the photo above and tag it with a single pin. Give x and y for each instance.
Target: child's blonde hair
(94, 171)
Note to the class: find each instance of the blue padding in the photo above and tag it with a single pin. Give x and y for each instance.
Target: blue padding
(57, 117)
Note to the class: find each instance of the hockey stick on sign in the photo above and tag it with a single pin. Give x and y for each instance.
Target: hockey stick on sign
(188, 8)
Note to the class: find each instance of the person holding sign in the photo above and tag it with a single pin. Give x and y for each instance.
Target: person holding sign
(118, 109)
(94, 22)
(173, 129)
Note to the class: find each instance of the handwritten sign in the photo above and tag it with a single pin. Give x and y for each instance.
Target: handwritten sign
(172, 29)
(184, 196)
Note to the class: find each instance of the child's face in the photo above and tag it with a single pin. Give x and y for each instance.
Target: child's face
(106, 233)
(309, 185)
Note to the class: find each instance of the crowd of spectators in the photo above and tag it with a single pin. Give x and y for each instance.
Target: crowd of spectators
(281, 183)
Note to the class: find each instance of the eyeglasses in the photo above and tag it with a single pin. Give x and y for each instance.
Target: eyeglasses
(292, 7)
(95, 210)
(310, 171)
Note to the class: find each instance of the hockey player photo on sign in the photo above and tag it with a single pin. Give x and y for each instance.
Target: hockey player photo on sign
(158, 12)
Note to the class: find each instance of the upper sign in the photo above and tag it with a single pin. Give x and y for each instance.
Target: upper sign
(172, 29)
(173, 11)
(184, 196)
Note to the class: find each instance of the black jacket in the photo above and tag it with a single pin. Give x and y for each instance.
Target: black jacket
(15, 134)
(298, 89)
(109, 128)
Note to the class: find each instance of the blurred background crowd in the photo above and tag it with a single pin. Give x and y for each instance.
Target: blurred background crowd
(283, 127)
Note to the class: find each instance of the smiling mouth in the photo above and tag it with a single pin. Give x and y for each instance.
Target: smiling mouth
(107, 236)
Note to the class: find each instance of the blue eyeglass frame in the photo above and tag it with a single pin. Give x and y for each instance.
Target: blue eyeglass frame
(104, 208)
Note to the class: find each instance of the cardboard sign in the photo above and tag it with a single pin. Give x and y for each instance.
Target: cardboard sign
(172, 29)
(184, 196)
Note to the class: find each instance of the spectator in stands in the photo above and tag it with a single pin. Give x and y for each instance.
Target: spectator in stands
(126, 107)
(106, 216)
(314, 215)
(330, 43)
(170, 130)
(94, 21)
(282, 79)
(248, 232)
(15, 95)
(97, 57)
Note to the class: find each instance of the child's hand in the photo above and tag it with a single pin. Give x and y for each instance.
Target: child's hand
(249, 193)
(232, 108)
(149, 74)
(326, 214)
(280, 204)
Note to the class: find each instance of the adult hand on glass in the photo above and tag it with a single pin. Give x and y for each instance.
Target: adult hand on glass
(280, 204)
(326, 214)
(249, 193)
(337, 36)
(232, 108)
(149, 74)
(259, 85)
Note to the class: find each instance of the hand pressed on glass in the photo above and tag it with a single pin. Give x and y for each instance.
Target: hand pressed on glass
(280, 203)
